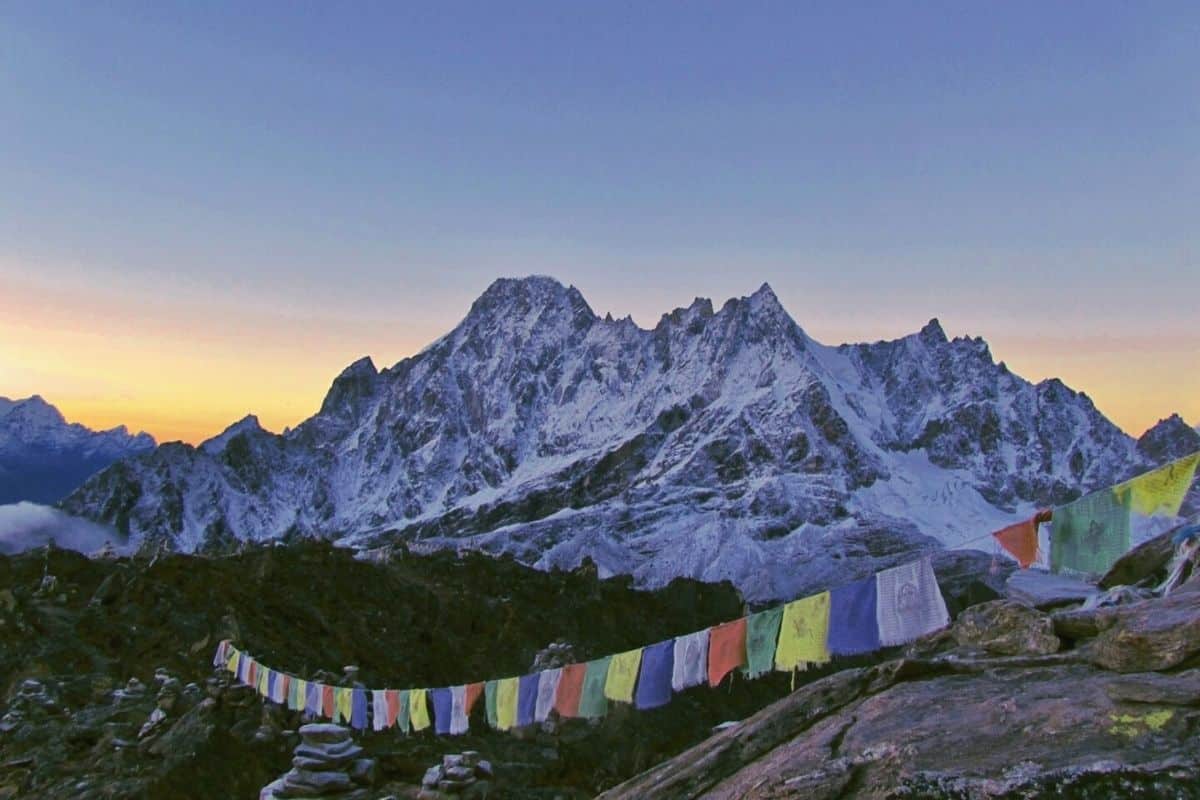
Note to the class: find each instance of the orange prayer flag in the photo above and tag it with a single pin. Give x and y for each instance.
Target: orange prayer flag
(1021, 539)
(726, 649)
(472, 693)
(570, 690)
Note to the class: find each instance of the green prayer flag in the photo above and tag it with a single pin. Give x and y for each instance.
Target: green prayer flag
(402, 718)
(1090, 534)
(762, 634)
(592, 702)
(489, 693)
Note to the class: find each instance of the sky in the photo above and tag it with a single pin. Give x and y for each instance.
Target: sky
(208, 210)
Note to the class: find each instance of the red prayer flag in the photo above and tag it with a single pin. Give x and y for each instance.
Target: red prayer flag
(1021, 539)
(252, 673)
(327, 702)
(392, 698)
(726, 649)
(470, 695)
(570, 689)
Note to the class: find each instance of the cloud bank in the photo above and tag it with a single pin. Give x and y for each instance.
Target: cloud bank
(24, 526)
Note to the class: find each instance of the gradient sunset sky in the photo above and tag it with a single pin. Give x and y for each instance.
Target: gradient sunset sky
(208, 210)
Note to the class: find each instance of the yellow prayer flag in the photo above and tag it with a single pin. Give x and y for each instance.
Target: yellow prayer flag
(804, 632)
(235, 661)
(343, 701)
(301, 693)
(418, 709)
(507, 690)
(1161, 491)
(263, 677)
(622, 675)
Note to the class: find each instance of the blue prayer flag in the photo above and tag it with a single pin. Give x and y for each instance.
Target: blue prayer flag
(853, 628)
(654, 679)
(527, 699)
(443, 707)
(358, 709)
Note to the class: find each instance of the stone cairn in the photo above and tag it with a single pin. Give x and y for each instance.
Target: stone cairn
(327, 763)
(464, 776)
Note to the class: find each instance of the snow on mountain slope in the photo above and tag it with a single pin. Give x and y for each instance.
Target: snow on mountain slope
(719, 444)
(43, 458)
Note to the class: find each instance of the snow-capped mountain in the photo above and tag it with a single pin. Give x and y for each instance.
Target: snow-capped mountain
(43, 458)
(719, 444)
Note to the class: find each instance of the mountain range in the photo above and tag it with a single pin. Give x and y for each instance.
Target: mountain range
(720, 444)
(43, 458)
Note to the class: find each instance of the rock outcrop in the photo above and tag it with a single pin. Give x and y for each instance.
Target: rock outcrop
(1012, 703)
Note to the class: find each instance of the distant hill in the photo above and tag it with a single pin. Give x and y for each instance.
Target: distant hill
(43, 458)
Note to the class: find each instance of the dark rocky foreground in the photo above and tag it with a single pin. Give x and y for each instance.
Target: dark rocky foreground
(79, 653)
(1011, 702)
(108, 693)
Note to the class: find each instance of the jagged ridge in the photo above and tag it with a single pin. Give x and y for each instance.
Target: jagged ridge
(719, 444)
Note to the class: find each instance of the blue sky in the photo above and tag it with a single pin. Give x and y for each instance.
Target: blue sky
(1029, 172)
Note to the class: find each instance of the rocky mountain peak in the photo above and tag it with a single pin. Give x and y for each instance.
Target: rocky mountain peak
(355, 384)
(932, 334)
(33, 413)
(517, 298)
(247, 424)
(1169, 439)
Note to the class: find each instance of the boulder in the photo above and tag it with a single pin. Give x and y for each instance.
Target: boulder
(1046, 591)
(1151, 635)
(1006, 627)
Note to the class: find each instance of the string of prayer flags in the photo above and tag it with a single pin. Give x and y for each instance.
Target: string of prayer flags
(654, 680)
(1020, 540)
(852, 624)
(443, 702)
(570, 690)
(506, 703)
(460, 721)
(527, 694)
(622, 675)
(803, 632)
(726, 649)
(418, 709)
(1090, 534)
(1160, 492)
(592, 702)
(762, 635)
(547, 692)
(691, 661)
(892, 607)
(909, 604)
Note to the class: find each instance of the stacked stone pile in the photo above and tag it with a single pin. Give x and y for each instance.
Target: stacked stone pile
(464, 776)
(327, 763)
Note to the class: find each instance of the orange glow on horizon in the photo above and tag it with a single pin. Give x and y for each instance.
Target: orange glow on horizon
(186, 371)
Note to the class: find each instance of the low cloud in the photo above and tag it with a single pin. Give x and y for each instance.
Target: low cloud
(25, 526)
